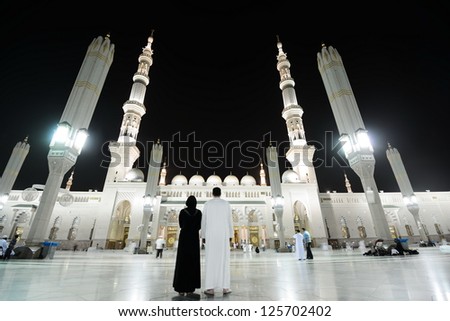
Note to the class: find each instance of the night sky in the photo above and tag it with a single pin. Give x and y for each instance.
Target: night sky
(214, 79)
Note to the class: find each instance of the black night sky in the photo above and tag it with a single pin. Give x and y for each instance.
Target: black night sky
(214, 80)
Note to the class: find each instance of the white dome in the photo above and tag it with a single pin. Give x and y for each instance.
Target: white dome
(290, 176)
(179, 180)
(135, 175)
(231, 180)
(214, 180)
(248, 180)
(196, 180)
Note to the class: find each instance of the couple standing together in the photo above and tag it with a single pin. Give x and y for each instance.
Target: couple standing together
(216, 233)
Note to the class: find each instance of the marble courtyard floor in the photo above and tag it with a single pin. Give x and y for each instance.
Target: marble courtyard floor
(333, 275)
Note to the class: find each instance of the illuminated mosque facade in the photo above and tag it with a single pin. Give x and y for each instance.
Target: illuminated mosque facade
(132, 212)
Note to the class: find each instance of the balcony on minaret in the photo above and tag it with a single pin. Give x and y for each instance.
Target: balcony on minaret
(141, 77)
(298, 142)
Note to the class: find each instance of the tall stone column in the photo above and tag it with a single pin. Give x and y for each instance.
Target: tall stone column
(409, 198)
(277, 196)
(12, 169)
(71, 132)
(353, 134)
(151, 192)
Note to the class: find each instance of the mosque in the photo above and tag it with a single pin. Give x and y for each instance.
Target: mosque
(131, 212)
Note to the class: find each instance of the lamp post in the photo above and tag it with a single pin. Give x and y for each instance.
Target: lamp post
(359, 152)
(12, 169)
(413, 207)
(353, 135)
(277, 194)
(65, 147)
(71, 132)
(277, 205)
(151, 192)
(401, 176)
(149, 203)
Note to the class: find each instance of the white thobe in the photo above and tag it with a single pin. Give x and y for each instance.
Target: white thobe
(217, 229)
(299, 247)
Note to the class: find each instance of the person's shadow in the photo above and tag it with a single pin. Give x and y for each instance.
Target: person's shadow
(187, 297)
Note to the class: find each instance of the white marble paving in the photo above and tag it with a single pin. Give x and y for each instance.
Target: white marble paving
(335, 275)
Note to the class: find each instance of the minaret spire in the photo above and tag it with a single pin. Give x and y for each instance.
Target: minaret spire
(262, 175)
(124, 152)
(347, 184)
(162, 178)
(300, 155)
(70, 181)
(134, 107)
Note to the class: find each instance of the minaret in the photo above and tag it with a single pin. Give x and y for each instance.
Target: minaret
(162, 178)
(405, 188)
(69, 181)
(262, 175)
(124, 151)
(300, 155)
(71, 132)
(12, 169)
(347, 184)
(353, 134)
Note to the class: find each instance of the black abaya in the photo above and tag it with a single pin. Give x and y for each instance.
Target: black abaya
(187, 266)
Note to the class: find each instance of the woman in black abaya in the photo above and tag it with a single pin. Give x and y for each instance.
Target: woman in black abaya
(187, 266)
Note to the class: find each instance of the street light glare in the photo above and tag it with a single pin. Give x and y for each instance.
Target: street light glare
(80, 139)
(363, 140)
(61, 134)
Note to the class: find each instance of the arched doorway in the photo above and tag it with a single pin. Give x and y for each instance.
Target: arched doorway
(119, 226)
(172, 229)
(253, 227)
(300, 218)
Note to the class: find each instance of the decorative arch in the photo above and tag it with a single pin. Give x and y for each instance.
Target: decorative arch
(169, 228)
(254, 218)
(74, 229)
(300, 216)
(119, 226)
(344, 228)
(361, 227)
(236, 215)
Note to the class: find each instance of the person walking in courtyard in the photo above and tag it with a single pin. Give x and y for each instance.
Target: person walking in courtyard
(307, 238)
(187, 265)
(216, 232)
(299, 247)
(160, 243)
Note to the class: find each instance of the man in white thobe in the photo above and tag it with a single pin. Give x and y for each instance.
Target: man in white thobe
(216, 232)
(299, 248)
(160, 243)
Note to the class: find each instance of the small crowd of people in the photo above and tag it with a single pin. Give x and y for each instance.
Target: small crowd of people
(378, 248)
